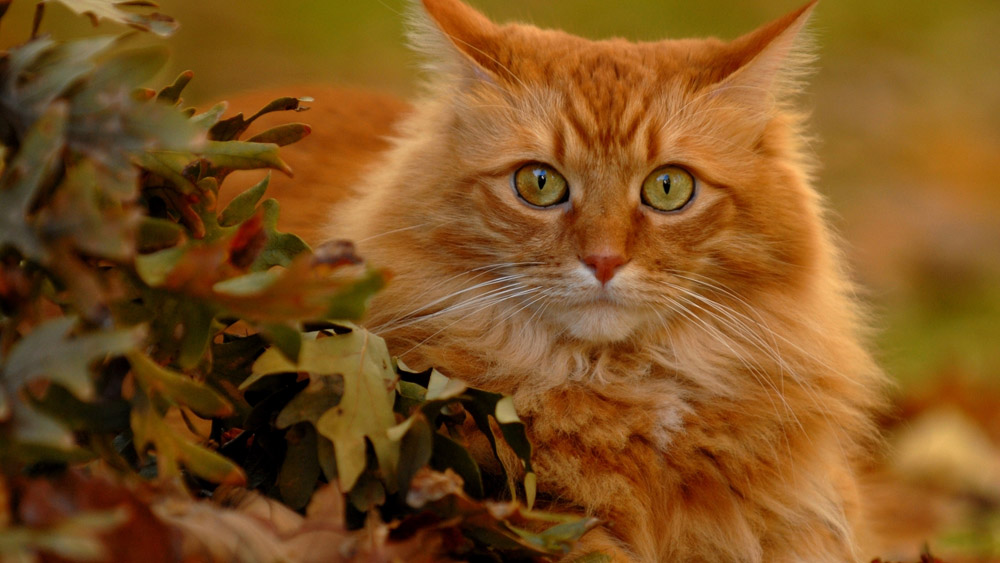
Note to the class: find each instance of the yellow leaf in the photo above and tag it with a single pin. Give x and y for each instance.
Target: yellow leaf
(365, 410)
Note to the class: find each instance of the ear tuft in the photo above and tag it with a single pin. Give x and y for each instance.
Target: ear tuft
(455, 38)
(768, 63)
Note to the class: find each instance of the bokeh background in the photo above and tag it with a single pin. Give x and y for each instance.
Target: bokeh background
(906, 104)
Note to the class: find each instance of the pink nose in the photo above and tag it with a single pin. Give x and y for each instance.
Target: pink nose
(604, 266)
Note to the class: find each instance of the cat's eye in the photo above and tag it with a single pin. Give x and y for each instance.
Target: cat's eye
(668, 188)
(541, 185)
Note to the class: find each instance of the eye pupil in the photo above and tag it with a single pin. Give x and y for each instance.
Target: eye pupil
(665, 181)
(540, 177)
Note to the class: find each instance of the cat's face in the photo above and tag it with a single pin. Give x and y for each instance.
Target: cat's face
(617, 186)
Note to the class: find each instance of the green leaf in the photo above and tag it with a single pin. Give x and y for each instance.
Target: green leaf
(111, 10)
(103, 417)
(440, 387)
(562, 537)
(285, 338)
(158, 234)
(281, 104)
(303, 290)
(243, 206)
(63, 65)
(483, 405)
(232, 128)
(200, 398)
(530, 488)
(32, 357)
(300, 469)
(196, 324)
(323, 393)
(229, 129)
(327, 458)
(169, 165)
(283, 135)
(415, 448)
(431, 402)
(321, 356)
(211, 117)
(365, 409)
(241, 155)
(111, 128)
(273, 362)
(126, 70)
(504, 411)
(172, 94)
(367, 494)
(150, 429)
(233, 358)
(4, 404)
(154, 268)
(19, 59)
(39, 431)
(411, 392)
(246, 285)
(25, 176)
(78, 213)
(352, 302)
(449, 454)
(281, 248)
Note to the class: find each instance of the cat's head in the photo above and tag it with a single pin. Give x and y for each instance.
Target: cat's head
(611, 186)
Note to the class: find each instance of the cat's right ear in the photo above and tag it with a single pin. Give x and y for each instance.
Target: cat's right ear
(764, 65)
(458, 40)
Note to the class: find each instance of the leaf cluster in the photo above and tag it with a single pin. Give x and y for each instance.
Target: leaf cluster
(147, 333)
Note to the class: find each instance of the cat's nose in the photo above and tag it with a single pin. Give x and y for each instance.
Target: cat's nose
(604, 266)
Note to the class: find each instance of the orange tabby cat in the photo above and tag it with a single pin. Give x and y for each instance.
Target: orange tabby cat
(624, 237)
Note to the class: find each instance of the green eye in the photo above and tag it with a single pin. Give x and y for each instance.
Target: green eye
(541, 185)
(668, 188)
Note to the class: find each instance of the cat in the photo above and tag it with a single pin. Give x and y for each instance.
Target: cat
(624, 237)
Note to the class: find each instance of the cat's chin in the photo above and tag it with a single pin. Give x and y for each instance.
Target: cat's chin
(599, 323)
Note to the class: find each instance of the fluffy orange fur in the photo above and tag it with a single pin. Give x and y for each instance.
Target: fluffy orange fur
(712, 400)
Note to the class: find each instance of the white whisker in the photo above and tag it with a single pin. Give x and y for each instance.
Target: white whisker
(493, 303)
(391, 232)
(506, 289)
(475, 274)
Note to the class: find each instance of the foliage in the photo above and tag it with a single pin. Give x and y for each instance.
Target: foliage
(154, 346)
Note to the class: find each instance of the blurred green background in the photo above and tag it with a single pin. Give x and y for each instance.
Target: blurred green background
(906, 105)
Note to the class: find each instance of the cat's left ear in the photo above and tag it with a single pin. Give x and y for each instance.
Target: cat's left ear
(763, 65)
(458, 40)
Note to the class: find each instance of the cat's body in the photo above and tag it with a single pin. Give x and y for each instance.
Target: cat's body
(695, 377)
